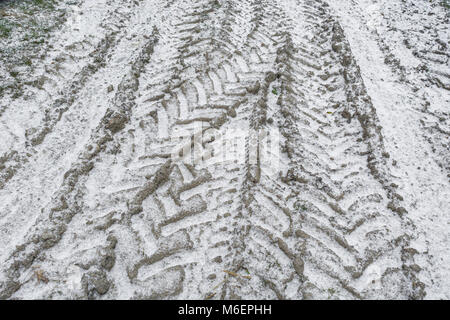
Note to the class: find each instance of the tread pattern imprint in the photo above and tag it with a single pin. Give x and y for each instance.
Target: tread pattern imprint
(130, 220)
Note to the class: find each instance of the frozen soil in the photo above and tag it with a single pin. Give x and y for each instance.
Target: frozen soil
(96, 202)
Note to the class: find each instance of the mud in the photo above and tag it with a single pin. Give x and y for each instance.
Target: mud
(100, 192)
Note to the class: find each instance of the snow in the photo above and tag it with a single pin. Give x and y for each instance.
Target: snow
(347, 197)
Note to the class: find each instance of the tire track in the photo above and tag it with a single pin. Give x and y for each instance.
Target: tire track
(13, 160)
(47, 163)
(154, 207)
(68, 200)
(363, 198)
(406, 106)
(419, 56)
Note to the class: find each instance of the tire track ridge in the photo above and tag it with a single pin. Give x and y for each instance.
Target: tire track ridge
(365, 119)
(66, 201)
(12, 161)
(378, 168)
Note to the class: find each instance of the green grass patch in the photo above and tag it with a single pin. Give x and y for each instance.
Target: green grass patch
(5, 29)
(43, 3)
(25, 26)
(331, 293)
(27, 62)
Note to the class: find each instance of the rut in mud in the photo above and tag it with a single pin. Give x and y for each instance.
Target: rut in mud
(100, 198)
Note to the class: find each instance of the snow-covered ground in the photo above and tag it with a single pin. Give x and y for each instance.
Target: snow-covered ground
(222, 149)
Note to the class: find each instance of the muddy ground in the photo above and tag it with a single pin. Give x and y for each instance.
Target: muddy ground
(226, 149)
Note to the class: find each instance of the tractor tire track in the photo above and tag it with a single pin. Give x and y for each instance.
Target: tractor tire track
(147, 204)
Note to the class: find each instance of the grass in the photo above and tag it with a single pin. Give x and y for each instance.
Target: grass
(49, 4)
(43, 3)
(27, 62)
(8, 21)
(5, 29)
(331, 293)
(445, 4)
(25, 26)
